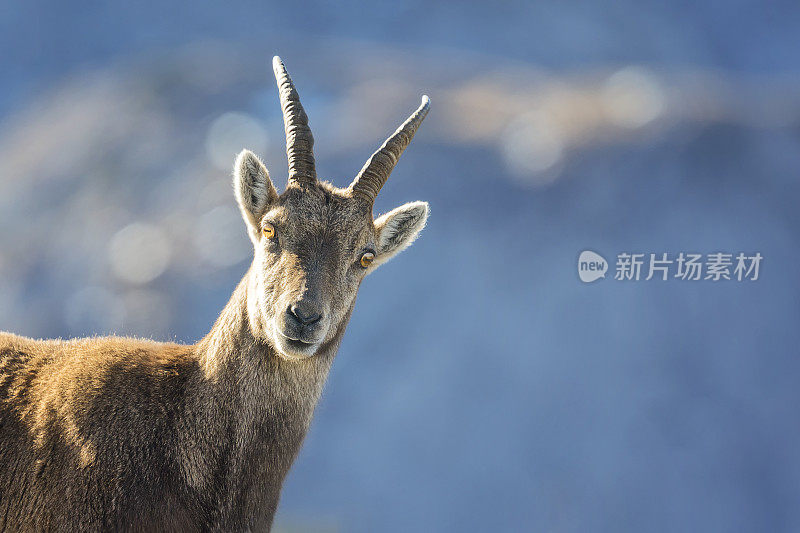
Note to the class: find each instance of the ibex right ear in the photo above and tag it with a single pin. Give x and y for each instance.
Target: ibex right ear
(254, 191)
(398, 228)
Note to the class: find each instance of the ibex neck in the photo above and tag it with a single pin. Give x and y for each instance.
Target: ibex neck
(259, 403)
(230, 339)
(234, 358)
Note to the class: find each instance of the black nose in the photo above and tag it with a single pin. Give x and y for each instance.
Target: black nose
(303, 313)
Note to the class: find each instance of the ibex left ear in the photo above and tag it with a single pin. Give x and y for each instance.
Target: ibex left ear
(254, 191)
(398, 228)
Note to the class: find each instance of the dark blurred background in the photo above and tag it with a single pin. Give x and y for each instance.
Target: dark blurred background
(481, 386)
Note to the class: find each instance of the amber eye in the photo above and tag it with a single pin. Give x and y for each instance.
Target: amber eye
(366, 259)
(268, 230)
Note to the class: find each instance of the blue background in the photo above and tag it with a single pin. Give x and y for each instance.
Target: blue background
(481, 386)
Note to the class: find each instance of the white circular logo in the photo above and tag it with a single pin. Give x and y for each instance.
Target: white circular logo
(591, 266)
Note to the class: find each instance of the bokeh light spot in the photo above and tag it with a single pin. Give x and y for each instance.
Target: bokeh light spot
(220, 238)
(139, 253)
(232, 132)
(632, 97)
(532, 145)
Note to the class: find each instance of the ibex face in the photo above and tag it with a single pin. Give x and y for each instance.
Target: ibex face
(314, 243)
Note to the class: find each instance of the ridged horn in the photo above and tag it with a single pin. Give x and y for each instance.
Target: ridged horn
(299, 140)
(378, 167)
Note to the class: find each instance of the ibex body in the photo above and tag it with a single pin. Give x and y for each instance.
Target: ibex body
(126, 434)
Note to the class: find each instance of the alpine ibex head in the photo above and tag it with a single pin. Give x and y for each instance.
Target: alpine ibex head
(315, 242)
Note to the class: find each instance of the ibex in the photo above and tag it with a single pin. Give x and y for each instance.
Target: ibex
(136, 435)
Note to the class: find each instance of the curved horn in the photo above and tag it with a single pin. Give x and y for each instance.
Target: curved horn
(299, 140)
(378, 167)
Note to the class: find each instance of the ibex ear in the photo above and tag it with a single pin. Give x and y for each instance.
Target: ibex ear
(398, 228)
(254, 191)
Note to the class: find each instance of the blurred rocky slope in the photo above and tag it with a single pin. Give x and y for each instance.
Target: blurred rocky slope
(118, 177)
